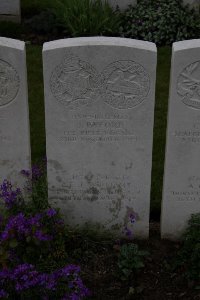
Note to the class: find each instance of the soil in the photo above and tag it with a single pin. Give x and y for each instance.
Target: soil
(156, 281)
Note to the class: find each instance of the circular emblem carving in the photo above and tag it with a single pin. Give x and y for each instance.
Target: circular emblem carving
(122, 84)
(188, 85)
(74, 82)
(9, 83)
(126, 84)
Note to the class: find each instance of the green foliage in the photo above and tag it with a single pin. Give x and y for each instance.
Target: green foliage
(160, 21)
(11, 29)
(34, 202)
(189, 256)
(130, 260)
(44, 22)
(30, 8)
(86, 17)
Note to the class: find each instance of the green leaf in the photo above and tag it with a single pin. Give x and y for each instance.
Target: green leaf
(13, 243)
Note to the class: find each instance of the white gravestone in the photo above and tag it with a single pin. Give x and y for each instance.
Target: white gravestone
(14, 117)
(181, 193)
(10, 10)
(99, 95)
(122, 4)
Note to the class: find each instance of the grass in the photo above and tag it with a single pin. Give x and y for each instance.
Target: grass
(36, 107)
(160, 123)
(36, 101)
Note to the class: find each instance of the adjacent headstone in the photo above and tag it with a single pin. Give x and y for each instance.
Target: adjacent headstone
(99, 102)
(181, 194)
(14, 117)
(122, 4)
(10, 10)
(195, 4)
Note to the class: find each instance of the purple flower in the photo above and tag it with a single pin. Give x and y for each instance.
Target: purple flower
(16, 225)
(41, 236)
(25, 276)
(26, 173)
(132, 218)
(9, 195)
(3, 294)
(35, 220)
(51, 212)
(68, 270)
(127, 231)
(36, 172)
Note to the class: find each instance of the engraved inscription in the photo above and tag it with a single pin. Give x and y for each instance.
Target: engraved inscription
(97, 188)
(189, 134)
(99, 128)
(122, 84)
(9, 83)
(190, 194)
(188, 85)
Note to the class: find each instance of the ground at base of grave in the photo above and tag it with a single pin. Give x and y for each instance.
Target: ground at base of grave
(156, 281)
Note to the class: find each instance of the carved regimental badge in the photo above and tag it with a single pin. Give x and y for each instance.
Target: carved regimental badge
(9, 83)
(122, 84)
(126, 84)
(188, 85)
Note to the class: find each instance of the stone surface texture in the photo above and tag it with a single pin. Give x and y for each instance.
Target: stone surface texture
(181, 193)
(10, 10)
(99, 102)
(192, 4)
(123, 4)
(14, 116)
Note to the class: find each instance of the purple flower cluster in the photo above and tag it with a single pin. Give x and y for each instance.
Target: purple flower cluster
(51, 212)
(25, 277)
(9, 195)
(127, 231)
(20, 231)
(19, 227)
(132, 218)
(36, 172)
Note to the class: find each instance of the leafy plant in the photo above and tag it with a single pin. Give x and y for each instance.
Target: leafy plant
(189, 255)
(44, 22)
(32, 245)
(160, 21)
(86, 17)
(130, 260)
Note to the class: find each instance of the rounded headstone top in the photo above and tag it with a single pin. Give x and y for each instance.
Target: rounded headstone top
(100, 41)
(184, 45)
(12, 43)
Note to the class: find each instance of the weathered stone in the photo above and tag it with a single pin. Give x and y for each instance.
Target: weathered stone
(99, 95)
(122, 4)
(181, 194)
(14, 120)
(10, 10)
(192, 4)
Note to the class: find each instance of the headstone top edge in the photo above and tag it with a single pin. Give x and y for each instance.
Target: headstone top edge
(185, 45)
(99, 41)
(12, 43)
